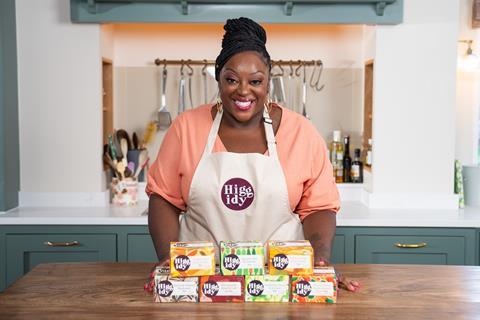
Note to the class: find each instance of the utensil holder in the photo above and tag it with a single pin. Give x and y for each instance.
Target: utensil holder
(124, 192)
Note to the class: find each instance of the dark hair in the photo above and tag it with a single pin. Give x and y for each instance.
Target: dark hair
(242, 34)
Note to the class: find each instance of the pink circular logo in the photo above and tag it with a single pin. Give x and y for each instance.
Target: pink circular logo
(237, 194)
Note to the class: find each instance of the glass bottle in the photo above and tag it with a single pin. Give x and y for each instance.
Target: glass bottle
(357, 168)
(336, 156)
(368, 156)
(347, 160)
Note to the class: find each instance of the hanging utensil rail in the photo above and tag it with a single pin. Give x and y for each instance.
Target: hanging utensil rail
(189, 62)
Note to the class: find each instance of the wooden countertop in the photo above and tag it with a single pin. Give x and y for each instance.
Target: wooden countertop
(115, 291)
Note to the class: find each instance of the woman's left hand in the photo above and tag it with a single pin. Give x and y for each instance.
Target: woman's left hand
(343, 282)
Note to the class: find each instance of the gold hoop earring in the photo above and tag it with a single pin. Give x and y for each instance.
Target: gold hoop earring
(268, 105)
(219, 104)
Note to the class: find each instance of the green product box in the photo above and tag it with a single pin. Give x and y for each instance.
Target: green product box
(267, 288)
(241, 258)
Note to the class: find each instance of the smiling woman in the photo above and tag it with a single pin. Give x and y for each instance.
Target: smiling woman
(243, 168)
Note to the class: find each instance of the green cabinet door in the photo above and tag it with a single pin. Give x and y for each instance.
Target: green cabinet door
(338, 250)
(140, 248)
(25, 251)
(416, 246)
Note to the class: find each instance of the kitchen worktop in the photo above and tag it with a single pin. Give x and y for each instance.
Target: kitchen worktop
(115, 290)
(351, 214)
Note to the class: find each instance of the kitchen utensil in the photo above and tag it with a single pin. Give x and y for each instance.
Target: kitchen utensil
(149, 134)
(181, 98)
(290, 86)
(123, 134)
(205, 82)
(278, 88)
(135, 140)
(315, 83)
(113, 149)
(190, 76)
(164, 119)
(121, 170)
(142, 161)
(109, 162)
(304, 93)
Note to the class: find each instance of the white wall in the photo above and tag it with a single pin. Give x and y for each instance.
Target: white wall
(468, 92)
(59, 83)
(414, 107)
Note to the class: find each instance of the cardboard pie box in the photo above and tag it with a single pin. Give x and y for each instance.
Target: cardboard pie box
(242, 257)
(267, 288)
(290, 257)
(173, 289)
(190, 259)
(320, 287)
(220, 288)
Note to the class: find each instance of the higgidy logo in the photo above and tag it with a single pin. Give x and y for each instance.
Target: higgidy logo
(303, 288)
(182, 263)
(231, 262)
(210, 288)
(255, 288)
(165, 288)
(280, 261)
(237, 194)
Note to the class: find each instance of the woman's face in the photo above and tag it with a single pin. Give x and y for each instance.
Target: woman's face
(243, 85)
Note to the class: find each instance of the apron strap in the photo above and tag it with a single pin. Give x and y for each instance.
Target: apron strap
(267, 122)
(271, 142)
(212, 136)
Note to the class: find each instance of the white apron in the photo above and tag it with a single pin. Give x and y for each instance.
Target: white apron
(239, 196)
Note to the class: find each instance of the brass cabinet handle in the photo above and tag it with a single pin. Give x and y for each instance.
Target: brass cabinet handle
(411, 245)
(61, 244)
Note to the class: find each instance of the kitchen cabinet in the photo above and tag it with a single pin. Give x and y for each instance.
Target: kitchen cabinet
(23, 246)
(439, 246)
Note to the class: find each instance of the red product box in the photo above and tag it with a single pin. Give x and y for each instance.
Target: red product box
(222, 289)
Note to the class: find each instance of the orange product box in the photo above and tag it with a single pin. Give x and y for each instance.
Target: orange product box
(321, 287)
(191, 259)
(290, 257)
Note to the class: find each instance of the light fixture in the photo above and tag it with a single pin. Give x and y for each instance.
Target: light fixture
(469, 62)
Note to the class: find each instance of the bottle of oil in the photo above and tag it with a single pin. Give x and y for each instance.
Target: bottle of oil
(336, 156)
(347, 160)
(357, 168)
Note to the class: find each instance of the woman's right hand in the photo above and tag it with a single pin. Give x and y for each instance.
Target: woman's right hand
(150, 283)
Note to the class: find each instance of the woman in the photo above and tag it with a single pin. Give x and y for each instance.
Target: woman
(244, 168)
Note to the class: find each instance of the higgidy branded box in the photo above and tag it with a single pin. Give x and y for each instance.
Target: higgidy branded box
(320, 287)
(222, 288)
(189, 259)
(242, 257)
(267, 288)
(172, 289)
(290, 257)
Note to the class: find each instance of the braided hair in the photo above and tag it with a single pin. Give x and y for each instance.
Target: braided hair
(242, 34)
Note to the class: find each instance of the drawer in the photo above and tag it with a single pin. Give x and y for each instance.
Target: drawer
(140, 248)
(25, 251)
(410, 249)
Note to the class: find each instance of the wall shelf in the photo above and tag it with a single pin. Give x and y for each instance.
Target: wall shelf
(211, 11)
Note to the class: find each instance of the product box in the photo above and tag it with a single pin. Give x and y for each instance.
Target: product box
(267, 288)
(190, 259)
(222, 288)
(242, 257)
(171, 289)
(321, 287)
(290, 257)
